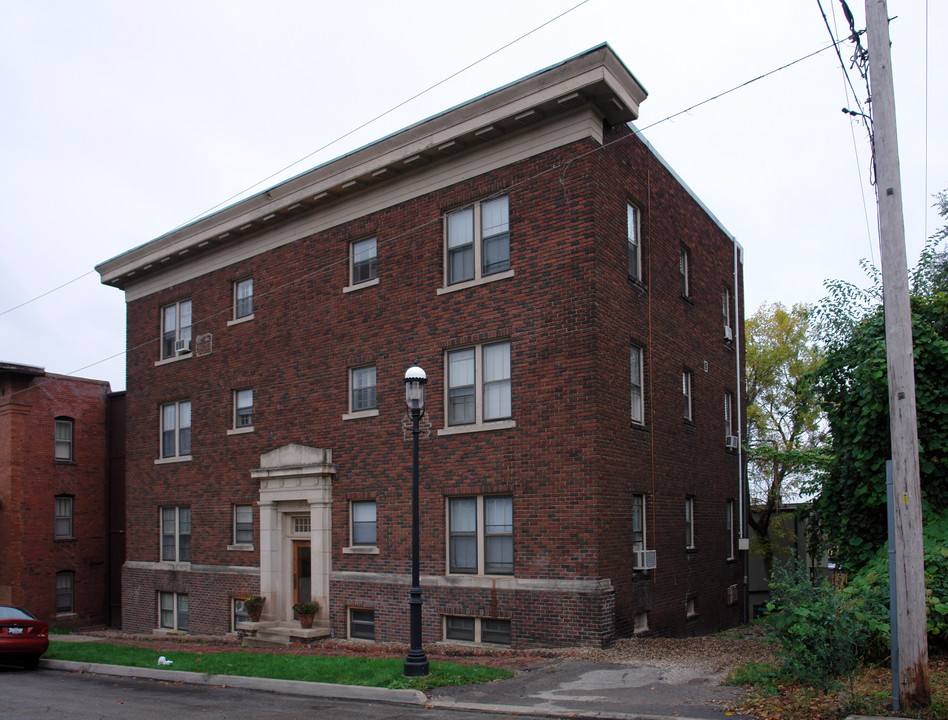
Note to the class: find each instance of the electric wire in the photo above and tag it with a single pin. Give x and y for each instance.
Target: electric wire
(381, 115)
(333, 142)
(562, 167)
(48, 292)
(852, 133)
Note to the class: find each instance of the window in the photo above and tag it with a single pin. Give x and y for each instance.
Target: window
(691, 607)
(63, 520)
(729, 415)
(478, 386)
(243, 524)
(477, 630)
(638, 522)
(478, 241)
(239, 613)
(638, 399)
(63, 439)
(243, 298)
(176, 534)
(729, 524)
(64, 594)
(173, 611)
(689, 522)
(361, 624)
(363, 522)
(243, 408)
(362, 384)
(684, 269)
(175, 329)
(686, 392)
(726, 310)
(480, 535)
(176, 429)
(632, 232)
(363, 261)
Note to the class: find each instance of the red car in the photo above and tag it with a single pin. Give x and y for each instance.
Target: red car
(23, 638)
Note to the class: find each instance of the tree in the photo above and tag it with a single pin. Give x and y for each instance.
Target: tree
(851, 508)
(783, 417)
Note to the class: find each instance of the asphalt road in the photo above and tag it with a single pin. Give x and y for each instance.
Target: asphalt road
(51, 693)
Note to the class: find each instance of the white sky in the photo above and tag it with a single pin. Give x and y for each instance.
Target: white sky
(122, 120)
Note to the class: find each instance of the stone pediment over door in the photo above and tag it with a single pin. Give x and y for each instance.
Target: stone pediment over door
(295, 472)
(295, 481)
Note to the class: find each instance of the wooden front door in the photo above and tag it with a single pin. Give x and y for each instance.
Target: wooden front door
(302, 572)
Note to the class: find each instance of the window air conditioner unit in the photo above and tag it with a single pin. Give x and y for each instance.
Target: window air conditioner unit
(730, 442)
(644, 560)
(182, 346)
(728, 333)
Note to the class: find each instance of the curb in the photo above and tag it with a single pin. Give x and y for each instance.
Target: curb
(553, 712)
(288, 687)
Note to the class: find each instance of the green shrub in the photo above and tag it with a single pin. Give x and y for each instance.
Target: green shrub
(872, 584)
(822, 631)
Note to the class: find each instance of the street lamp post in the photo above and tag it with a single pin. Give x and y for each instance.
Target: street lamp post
(416, 663)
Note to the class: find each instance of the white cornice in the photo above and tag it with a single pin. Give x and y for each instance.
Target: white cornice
(595, 82)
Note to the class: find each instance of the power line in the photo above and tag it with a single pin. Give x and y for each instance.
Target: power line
(558, 167)
(48, 292)
(332, 142)
(381, 115)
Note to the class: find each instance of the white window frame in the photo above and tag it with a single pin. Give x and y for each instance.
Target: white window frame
(480, 386)
(478, 241)
(358, 509)
(729, 524)
(350, 621)
(180, 608)
(690, 523)
(687, 394)
(182, 410)
(243, 301)
(639, 518)
(482, 534)
(637, 377)
(729, 413)
(243, 524)
(634, 237)
(238, 612)
(726, 306)
(364, 252)
(240, 411)
(181, 309)
(477, 629)
(63, 439)
(63, 516)
(65, 588)
(180, 527)
(684, 270)
(372, 411)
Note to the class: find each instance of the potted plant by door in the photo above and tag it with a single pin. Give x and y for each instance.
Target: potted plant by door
(306, 611)
(254, 607)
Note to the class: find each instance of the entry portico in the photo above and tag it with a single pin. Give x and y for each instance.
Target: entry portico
(295, 528)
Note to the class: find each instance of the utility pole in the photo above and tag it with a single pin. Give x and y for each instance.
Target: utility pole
(914, 686)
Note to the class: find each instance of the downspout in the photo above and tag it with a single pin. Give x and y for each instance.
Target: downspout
(741, 475)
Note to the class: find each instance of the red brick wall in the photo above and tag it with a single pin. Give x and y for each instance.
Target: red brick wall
(571, 463)
(33, 556)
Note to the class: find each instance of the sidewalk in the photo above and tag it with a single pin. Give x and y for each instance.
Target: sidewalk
(557, 688)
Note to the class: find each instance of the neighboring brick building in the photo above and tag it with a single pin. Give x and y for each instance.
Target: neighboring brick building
(56, 441)
(576, 310)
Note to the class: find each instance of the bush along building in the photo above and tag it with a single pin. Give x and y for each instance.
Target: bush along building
(61, 496)
(576, 310)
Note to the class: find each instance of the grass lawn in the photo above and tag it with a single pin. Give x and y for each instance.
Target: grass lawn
(342, 670)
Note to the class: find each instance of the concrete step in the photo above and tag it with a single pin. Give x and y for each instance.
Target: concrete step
(283, 634)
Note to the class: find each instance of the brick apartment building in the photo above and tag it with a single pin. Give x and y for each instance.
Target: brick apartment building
(577, 312)
(61, 496)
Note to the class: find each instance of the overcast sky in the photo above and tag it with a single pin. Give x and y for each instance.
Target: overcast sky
(123, 120)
